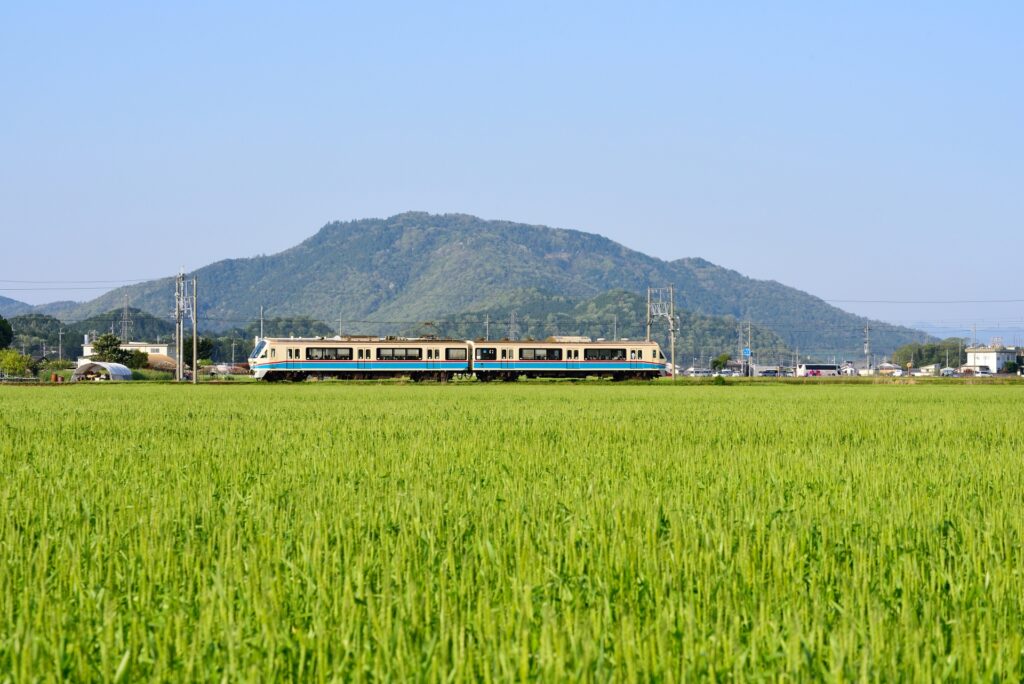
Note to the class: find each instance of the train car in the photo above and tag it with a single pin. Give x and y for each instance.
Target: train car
(358, 358)
(567, 357)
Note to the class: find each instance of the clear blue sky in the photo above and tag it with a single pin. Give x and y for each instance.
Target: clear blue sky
(869, 151)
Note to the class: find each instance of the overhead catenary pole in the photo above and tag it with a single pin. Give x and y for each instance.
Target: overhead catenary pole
(195, 336)
(672, 327)
(261, 321)
(648, 314)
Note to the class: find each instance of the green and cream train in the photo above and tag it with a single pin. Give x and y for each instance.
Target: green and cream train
(294, 358)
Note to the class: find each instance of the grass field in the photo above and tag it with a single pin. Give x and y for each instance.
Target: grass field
(470, 532)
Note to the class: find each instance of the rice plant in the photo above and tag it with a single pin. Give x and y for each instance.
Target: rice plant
(507, 532)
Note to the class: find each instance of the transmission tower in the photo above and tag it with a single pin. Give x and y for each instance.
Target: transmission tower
(126, 322)
(513, 327)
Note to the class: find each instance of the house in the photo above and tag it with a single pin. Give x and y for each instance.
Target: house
(145, 347)
(991, 358)
(889, 369)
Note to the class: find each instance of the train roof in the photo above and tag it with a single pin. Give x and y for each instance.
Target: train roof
(432, 340)
(362, 338)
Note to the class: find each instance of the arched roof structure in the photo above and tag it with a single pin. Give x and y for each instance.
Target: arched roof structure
(116, 371)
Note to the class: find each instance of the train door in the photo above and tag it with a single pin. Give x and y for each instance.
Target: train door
(572, 359)
(507, 358)
(363, 359)
(634, 358)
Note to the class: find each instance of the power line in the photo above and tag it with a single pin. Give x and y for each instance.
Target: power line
(924, 301)
(57, 282)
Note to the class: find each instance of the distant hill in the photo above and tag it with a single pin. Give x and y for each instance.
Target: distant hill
(36, 331)
(12, 307)
(388, 274)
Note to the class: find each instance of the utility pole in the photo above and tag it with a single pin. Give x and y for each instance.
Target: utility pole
(178, 343)
(195, 336)
(60, 344)
(867, 346)
(615, 328)
(261, 321)
(232, 353)
(747, 359)
(487, 327)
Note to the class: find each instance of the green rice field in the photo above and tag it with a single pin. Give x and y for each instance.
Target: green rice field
(543, 531)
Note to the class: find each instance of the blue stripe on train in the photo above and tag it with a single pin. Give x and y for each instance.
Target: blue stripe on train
(364, 366)
(562, 366)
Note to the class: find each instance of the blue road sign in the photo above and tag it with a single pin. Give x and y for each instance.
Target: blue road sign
(746, 352)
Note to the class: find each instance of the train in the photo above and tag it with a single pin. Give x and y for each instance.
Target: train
(427, 358)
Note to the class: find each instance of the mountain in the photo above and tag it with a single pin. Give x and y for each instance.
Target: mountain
(12, 307)
(384, 274)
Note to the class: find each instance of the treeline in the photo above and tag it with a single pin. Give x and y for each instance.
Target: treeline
(948, 352)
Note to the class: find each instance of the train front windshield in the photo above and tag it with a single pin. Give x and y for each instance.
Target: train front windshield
(259, 348)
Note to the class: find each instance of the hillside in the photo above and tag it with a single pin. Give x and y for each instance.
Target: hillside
(12, 307)
(36, 331)
(389, 273)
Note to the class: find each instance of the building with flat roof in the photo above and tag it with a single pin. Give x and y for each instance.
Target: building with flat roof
(145, 347)
(991, 359)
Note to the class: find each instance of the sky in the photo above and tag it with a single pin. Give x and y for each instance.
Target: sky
(863, 152)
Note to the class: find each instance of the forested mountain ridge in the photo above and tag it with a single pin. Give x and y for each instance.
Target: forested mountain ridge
(12, 307)
(385, 274)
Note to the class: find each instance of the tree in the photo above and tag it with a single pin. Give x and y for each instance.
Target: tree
(1010, 367)
(137, 359)
(6, 334)
(107, 348)
(719, 362)
(952, 349)
(204, 347)
(14, 364)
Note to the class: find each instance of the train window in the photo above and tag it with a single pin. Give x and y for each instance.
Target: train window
(360, 354)
(504, 353)
(289, 352)
(632, 354)
(604, 354)
(314, 353)
(540, 354)
(430, 354)
(488, 353)
(391, 354)
(640, 354)
(273, 353)
(455, 354)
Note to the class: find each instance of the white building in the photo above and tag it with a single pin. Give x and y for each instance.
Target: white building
(991, 359)
(145, 347)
